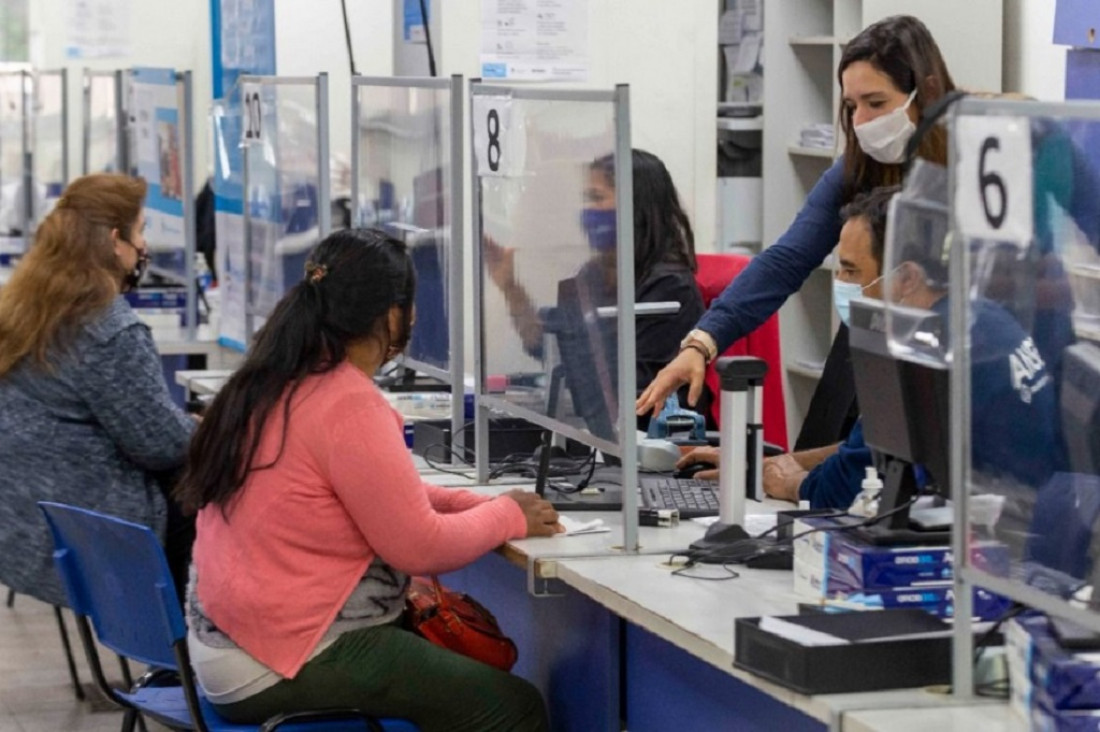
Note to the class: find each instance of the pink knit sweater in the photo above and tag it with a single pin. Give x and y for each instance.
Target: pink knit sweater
(301, 534)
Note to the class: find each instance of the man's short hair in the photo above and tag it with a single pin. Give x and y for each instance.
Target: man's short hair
(872, 206)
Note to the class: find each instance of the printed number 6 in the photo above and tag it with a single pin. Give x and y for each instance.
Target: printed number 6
(986, 181)
(493, 153)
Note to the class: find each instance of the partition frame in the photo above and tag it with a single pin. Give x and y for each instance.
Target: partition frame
(324, 205)
(121, 119)
(455, 376)
(484, 402)
(967, 576)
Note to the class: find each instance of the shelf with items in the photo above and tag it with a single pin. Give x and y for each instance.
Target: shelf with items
(812, 152)
(741, 124)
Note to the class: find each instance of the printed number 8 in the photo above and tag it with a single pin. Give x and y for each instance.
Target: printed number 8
(493, 154)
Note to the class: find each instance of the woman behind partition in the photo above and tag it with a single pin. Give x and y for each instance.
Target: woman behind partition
(311, 517)
(664, 262)
(85, 415)
(888, 75)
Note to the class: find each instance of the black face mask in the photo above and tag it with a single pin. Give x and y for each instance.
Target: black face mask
(133, 277)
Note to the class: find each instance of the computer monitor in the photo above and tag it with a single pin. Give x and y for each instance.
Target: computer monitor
(905, 407)
(430, 339)
(1080, 407)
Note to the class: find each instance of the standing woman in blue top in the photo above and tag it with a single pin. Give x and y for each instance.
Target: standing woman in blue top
(888, 75)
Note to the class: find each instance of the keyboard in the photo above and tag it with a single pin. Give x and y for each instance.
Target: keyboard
(693, 498)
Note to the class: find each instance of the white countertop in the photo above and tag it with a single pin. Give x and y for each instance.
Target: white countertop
(698, 616)
(991, 717)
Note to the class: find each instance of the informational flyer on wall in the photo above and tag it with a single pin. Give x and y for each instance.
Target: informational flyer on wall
(97, 28)
(156, 152)
(534, 40)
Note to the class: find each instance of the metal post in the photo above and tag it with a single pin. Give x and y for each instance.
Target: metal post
(249, 311)
(962, 670)
(457, 271)
(122, 124)
(85, 163)
(356, 214)
(324, 184)
(28, 85)
(481, 412)
(187, 174)
(64, 127)
(624, 223)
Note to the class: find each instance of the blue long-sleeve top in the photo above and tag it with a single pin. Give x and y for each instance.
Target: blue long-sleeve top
(835, 483)
(779, 271)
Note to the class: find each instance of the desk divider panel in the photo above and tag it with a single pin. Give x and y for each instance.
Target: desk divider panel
(554, 269)
(407, 180)
(104, 122)
(33, 151)
(1021, 337)
(160, 119)
(285, 137)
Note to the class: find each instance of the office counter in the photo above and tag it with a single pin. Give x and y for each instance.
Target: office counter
(989, 717)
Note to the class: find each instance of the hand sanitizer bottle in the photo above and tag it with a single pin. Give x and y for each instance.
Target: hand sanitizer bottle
(866, 503)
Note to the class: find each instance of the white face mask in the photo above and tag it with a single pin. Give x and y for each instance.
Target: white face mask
(884, 137)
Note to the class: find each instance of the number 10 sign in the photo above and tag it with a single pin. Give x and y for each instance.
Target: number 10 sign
(993, 185)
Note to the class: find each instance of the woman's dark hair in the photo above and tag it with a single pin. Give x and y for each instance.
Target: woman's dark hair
(353, 278)
(662, 232)
(873, 207)
(902, 48)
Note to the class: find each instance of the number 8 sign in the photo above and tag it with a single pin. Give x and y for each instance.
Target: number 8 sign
(993, 182)
(498, 148)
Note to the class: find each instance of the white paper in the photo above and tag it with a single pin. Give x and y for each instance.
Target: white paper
(573, 527)
(534, 40)
(729, 28)
(800, 634)
(993, 180)
(499, 137)
(97, 28)
(747, 54)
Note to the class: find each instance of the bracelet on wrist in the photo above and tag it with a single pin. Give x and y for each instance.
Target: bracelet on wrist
(697, 347)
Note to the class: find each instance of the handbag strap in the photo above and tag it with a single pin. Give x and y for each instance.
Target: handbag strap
(440, 595)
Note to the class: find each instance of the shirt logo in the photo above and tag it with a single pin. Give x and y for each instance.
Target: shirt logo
(1028, 370)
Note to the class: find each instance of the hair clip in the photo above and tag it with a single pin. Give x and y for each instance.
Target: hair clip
(315, 272)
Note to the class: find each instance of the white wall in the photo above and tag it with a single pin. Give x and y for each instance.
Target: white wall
(1033, 65)
(668, 53)
(309, 39)
(162, 33)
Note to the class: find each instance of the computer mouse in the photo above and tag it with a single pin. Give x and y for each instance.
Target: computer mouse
(689, 471)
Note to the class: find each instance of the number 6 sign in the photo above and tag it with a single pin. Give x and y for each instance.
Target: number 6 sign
(993, 184)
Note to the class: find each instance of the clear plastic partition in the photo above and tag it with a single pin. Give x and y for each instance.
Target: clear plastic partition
(51, 141)
(104, 123)
(1024, 303)
(284, 133)
(160, 109)
(407, 181)
(553, 218)
(16, 191)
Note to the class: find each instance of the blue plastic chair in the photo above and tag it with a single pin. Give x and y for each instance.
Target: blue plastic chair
(117, 580)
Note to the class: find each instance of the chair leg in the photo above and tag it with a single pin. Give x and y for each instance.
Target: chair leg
(129, 720)
(77, 688)
(11, 597)
(127, 677)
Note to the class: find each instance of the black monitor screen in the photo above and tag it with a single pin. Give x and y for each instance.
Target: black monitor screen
(904, 405)
(588, 356)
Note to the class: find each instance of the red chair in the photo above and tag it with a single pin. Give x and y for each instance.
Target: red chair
(714, 273)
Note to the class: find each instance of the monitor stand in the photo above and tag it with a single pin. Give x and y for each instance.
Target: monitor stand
(899, 489)
(610, 499)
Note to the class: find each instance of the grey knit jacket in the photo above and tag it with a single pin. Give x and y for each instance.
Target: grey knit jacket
(90, 434)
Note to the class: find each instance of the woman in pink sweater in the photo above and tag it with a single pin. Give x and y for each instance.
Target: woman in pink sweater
(311, 517)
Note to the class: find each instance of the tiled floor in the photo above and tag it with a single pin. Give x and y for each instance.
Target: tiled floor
(35, 692)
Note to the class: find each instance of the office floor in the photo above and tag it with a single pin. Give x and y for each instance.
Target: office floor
(35, 692)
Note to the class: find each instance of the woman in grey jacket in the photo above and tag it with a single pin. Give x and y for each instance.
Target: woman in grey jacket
(85, 415)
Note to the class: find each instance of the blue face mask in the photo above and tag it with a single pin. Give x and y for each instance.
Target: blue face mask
(599, 226)
(843, 292)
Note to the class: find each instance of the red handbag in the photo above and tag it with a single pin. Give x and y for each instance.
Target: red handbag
(457, 621)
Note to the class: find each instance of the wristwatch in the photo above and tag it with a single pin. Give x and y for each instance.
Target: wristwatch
(701, 341)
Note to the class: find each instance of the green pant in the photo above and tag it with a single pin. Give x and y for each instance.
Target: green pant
(387, 671)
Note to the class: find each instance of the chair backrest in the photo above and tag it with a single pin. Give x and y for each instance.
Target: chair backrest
(714, 273)
(116, 574)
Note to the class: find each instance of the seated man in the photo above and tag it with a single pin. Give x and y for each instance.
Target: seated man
(830, 476)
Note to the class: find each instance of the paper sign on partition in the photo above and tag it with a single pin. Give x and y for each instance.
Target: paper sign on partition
(499, 137)
(993, 180)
